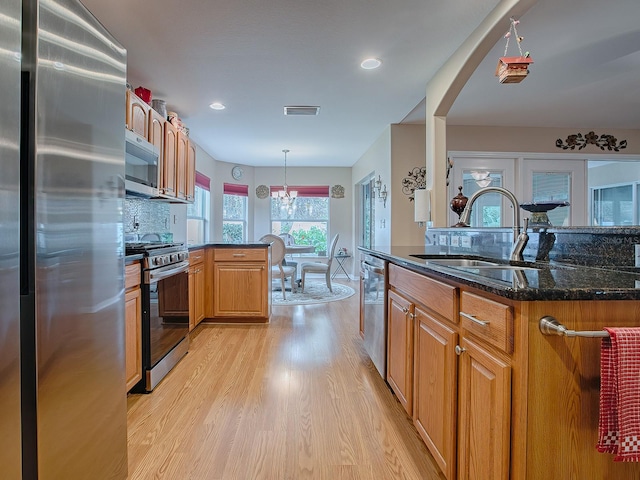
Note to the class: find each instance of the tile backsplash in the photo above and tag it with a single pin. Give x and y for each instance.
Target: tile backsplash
(143, 216)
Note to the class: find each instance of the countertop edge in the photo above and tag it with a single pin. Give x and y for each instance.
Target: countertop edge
(521, 294)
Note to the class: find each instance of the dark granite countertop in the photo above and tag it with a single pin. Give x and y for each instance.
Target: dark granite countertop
(229, 245)
(542, 281)
(133, 258)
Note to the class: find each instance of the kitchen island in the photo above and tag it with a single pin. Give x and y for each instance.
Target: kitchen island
(490, 395)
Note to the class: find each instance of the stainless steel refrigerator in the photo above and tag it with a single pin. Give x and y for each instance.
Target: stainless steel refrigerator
(62, 385)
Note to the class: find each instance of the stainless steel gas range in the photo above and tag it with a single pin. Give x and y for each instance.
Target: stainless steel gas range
(165, 309)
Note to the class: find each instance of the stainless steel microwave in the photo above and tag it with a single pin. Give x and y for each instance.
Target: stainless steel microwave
(141, 166)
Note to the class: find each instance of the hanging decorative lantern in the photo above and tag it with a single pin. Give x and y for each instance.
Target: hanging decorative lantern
(513, 69)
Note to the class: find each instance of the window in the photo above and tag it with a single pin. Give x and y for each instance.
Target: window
(234, 213)
(198, 211)
(487, 212)
(367, 213)
(307, 219)
(613, 206)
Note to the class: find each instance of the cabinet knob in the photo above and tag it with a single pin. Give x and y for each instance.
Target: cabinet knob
(405, 310)
(459, 350)
(412, 316)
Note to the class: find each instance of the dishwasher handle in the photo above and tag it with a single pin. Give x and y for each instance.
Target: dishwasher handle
(372, 268)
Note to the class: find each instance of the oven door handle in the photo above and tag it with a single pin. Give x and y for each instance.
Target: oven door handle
(153, 276)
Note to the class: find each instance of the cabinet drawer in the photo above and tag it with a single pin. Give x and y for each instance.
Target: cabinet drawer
(132, 275)
(491, 321)
(438, 296)
(196, 256)
(240, 254)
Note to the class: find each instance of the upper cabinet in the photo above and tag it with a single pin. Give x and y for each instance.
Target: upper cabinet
(137, 114)
(177, 164)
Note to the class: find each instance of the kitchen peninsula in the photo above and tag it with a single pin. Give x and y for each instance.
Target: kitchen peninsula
(236, 281)
(489, 393)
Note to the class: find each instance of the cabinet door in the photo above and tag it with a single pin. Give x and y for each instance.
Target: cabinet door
(484, 424)
(168, 176)
(133, 337)
(240, 290)
(191, 171)
(362, 293)
(434, 392)
(199, 293)
(181, 165)
(137, 114)
(400, 348)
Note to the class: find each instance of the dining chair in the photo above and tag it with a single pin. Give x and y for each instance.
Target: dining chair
(321, 267)
(288, 241)
(279, 270)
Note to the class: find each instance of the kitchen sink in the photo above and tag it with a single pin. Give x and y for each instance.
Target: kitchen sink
(475, 264)
(463, 262)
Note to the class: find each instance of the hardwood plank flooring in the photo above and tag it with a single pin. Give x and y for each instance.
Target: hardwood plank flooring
(297, 398)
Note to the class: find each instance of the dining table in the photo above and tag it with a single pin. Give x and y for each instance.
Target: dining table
(297, 249)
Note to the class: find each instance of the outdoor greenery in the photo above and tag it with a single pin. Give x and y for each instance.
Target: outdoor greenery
(234, 208)
(307, 221)
(232, 232)
(313, 236)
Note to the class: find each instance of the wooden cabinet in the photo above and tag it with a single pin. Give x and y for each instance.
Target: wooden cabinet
(241, 281)
(182, 152)
(435, 387)
(133, 325)
(168, 175)
(156, 133)
(484, 433)
(362, 297)
(177, 162)
(484, 401)
(137, 114)
(432, 306)
(191, 171)
(400, 314)
(196, 287)
(493, 398)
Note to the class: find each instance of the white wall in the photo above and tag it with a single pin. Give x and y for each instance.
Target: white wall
(259, 220)
(377, 161)
(407, 152)
(340, 211)
(532, 139)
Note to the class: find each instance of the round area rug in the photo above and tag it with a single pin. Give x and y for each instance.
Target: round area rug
(314, 292)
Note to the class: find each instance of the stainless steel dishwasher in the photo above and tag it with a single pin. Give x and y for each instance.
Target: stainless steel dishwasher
(373, 304)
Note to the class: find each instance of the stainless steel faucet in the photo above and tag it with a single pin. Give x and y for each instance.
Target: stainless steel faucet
(519, 240)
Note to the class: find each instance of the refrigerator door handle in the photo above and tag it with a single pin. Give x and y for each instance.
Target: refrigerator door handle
(27, 185)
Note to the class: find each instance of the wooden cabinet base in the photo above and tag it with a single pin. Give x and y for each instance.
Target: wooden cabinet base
(243, 320)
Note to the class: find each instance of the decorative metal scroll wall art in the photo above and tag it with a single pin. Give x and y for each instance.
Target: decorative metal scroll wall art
(416, 179)
(604, 142)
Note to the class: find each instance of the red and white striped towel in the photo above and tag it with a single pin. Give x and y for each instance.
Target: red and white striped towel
(619, 420)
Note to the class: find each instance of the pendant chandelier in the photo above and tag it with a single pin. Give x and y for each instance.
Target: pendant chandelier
(285, 197)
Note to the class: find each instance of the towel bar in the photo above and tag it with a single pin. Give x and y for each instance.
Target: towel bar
(550, 326)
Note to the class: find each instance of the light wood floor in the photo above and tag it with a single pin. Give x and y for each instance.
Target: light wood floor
(295, 399)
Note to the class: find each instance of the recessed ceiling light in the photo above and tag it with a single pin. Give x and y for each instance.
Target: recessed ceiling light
(371, 63)
(217, 106)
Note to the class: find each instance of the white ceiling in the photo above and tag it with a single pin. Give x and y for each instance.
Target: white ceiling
(258, 56)
(586, 70)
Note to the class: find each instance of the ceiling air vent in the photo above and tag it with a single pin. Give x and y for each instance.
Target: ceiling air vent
(301, 110)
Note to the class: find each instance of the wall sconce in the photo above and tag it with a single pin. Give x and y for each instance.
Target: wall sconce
(422, 206)
(383, 196)
(377, 185)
